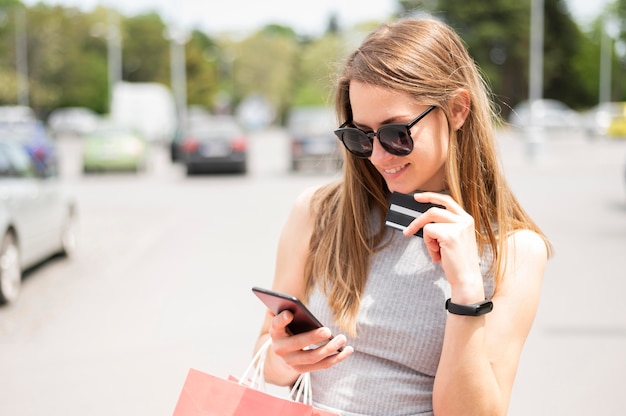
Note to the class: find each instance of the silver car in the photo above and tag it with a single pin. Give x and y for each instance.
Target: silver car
(37, 218)
(313, 143)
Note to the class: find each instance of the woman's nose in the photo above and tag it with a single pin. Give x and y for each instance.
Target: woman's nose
(378, 152)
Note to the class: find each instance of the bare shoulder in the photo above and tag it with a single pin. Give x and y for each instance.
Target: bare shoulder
(293, 245)
(302, 210)
(526, 259)
(527, 245)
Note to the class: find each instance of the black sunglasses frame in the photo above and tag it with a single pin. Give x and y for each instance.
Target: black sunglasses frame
(384, 143)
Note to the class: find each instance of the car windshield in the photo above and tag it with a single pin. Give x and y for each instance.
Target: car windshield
(215, 126)
(314, 120)
(112, 130)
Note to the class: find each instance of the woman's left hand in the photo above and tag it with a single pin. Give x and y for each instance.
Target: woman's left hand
(450, 238)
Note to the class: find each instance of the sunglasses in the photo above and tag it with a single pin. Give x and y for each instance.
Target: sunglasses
(394, 138)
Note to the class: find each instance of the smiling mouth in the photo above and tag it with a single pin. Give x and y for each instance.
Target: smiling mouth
(394, 170)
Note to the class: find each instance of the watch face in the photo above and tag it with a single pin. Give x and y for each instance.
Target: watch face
(484, 307)
(476, 309)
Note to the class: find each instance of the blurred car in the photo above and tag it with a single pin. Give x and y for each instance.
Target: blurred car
(16, 114)
(114, 147)
(72, 121)
(548, 113)
(38, 218)
(33, 136)
(606, 119)
(196, 115)
(312, 138)
(216, 144)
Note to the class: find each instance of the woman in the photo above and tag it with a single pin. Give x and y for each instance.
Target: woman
(418, 120)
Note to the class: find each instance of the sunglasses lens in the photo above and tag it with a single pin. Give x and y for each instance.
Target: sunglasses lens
(356, 142)
(396, 140)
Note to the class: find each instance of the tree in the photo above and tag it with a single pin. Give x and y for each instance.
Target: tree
(263, 64)
(146, 51)
(202, 70)
(498, 36)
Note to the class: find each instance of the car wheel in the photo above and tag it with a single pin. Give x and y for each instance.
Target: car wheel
(69, 235)
(10, 269)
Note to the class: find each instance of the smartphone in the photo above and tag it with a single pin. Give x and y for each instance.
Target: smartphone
(403, 209)
(303, 319)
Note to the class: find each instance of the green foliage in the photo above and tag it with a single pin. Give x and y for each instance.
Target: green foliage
(498, 36)
(67, 55)
(146, 51)
(316, 68)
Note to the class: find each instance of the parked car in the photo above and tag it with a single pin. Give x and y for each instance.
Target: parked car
(548, 113)
(38, 218)
(148, 107)
(72, 121)
(606, 120)
(16, 114)
(34, 137)
(313, 142)
(114, 147)
(196, 116)
(217, 144)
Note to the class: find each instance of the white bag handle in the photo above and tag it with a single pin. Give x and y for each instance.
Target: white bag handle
(254, 377)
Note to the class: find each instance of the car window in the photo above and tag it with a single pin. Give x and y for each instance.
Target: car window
(21, 161)
(5, 162)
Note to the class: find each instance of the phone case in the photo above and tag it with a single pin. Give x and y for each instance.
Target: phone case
(303, 320)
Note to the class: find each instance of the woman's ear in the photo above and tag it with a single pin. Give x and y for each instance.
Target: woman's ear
(459, 108)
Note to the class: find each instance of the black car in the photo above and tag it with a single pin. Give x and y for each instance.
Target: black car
(218, 144)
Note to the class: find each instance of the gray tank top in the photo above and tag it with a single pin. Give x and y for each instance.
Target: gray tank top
(401, 323)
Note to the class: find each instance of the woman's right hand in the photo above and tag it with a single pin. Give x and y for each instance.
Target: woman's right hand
(294, 350)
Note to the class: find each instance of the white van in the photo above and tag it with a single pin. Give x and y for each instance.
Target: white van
(148, 107)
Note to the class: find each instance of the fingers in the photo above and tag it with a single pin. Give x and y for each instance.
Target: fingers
(319, 357)
(451, 213)
(440, 199)
(309, 351)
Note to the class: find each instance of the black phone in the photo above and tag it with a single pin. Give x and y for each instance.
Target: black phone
(403, 209)
(303, 319)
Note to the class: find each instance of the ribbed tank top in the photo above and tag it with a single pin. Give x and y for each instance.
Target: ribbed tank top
(401, 323)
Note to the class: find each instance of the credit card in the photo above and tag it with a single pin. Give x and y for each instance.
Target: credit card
(403, 209)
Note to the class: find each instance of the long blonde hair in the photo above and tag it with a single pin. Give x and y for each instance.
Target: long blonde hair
(427, 60)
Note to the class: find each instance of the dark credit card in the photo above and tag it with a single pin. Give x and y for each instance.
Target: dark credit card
(403, 209)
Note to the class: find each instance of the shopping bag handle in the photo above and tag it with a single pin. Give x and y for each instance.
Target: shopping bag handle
(254, 376)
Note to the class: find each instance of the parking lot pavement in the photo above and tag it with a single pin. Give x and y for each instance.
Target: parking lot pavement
(573, 362)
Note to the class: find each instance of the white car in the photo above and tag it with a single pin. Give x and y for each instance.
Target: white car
(548, 113)
(37, 218)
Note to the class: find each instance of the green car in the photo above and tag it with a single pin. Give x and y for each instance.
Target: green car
(114, 147)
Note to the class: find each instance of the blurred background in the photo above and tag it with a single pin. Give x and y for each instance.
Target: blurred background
(150, 152)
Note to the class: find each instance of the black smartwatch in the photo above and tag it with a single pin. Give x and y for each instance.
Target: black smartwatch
(476, 309)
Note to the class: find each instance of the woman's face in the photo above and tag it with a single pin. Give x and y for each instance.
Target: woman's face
(423, 169)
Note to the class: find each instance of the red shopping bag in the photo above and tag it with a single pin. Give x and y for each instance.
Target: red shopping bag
(206, 395)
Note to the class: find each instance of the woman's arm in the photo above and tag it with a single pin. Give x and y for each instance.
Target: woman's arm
(286, 359)
(480, 354)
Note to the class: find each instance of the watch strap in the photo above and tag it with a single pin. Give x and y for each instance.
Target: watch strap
(476, 309)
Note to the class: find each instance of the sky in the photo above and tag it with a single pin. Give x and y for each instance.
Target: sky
(306, 17)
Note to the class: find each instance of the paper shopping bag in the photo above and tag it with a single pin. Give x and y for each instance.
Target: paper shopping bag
(206, 395)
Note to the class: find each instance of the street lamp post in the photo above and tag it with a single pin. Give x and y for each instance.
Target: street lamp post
(112, 34)
(114, 52)
(21, 57)
(178, 39)
(534, 132)
(609, 32)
